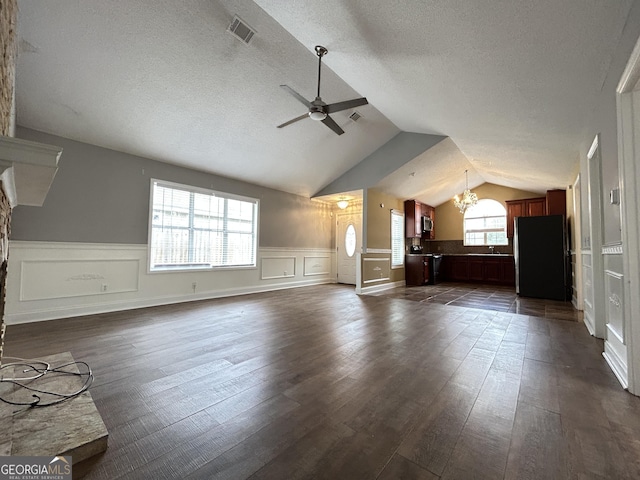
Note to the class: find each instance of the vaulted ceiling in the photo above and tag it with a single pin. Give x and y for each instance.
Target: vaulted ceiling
(508, 82)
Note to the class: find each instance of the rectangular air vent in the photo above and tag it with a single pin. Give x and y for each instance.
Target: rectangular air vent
(241, 30)
(355, 116)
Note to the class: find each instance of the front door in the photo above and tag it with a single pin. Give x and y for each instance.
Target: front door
(349, 242)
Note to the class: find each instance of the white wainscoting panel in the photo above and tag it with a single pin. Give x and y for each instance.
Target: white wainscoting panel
(317, 265)
(615, 343)
(48, 280)
(278, 267)
(615, 304)
(587, 286)
(376, 270)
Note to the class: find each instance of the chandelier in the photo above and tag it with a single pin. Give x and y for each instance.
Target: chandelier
(468, 200)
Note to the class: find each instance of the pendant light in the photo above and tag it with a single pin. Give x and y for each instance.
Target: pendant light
(468, 200)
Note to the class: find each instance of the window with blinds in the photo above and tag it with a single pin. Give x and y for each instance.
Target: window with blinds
(192, 228)
(397, 238)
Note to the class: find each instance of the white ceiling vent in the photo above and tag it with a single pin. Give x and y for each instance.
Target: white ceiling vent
(355, 116)
(241, 29)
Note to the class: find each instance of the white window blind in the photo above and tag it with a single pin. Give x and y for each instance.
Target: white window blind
(397, 238)
(485, 224)
(197, 228)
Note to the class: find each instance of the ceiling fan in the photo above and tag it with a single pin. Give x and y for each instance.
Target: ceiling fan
(318, 110)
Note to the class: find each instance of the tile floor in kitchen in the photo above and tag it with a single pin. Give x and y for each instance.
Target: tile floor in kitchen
(486, 297)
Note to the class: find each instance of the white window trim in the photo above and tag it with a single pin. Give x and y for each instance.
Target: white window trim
(484, 231)
(401, 215)
(206, 191)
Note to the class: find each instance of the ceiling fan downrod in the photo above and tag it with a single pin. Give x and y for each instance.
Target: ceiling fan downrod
(321, 52)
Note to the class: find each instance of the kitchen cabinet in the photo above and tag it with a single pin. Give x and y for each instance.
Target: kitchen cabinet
(413, 219)
(416, 269)
(489, 269)
(556, 202)
(413, 213)
(476, 269)
(457, 268)
(429, 211)
(526, 207)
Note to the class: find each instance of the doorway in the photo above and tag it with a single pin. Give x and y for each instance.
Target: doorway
(349, 242)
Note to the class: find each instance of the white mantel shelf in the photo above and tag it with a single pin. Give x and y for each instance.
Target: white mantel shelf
(27, 170)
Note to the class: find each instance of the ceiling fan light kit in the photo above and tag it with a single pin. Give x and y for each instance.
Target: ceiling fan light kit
(319, 110)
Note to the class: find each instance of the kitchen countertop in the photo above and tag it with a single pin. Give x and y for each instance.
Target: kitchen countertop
(479, 254)
(461, 254)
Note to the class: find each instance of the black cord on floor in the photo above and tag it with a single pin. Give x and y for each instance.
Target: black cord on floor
(39, 371)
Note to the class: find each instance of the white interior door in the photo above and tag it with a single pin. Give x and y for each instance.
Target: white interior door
(349, 242)
(593, 266)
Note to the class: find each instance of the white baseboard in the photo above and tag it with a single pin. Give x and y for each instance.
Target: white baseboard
(80, 310)
(588, 321)
(49, 280)
(382, 287)
(618, 366)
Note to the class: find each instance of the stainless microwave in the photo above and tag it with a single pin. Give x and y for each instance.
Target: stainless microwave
(427, 224)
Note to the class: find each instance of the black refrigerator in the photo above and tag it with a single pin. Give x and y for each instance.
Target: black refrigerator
(540, 252)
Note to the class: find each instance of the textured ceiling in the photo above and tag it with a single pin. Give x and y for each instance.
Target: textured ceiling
(510, 82)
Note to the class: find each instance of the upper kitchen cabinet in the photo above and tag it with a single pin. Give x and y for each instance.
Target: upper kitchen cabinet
(429, 212)
(554, 203)
(414, 214)
(526, 207)
(413, 219)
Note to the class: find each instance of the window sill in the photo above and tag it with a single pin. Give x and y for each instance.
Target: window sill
(200, 268)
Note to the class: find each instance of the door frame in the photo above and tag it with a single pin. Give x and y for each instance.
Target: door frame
(576, 192)
(596, 235)
(349, 213)
(628, 111)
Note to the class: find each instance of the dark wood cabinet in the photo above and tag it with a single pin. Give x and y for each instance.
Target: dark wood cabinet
(413, 213)
(476, 269)
(413, 219)
(514, 209)
(458, 268)
(535, 207)
(416, 269)
(556, 202)
(497, 270)
(508, 271)
(526, 207)
(429, 211)
(493, 270)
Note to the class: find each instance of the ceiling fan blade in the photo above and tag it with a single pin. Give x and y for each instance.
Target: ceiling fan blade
(300, 98)
(337, 107)
(297, 119)
(330, 122)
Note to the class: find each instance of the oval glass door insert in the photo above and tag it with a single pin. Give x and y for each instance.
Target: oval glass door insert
(350, 240)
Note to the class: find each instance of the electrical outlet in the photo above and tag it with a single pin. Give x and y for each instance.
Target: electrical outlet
(194, 286)
(103, 288)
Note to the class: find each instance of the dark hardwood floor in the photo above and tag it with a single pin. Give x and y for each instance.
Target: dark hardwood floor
(318, 382)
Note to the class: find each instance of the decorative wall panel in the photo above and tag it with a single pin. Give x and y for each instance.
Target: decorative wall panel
(317, 265)
(278, 267)
(48, 279)
(376, 270)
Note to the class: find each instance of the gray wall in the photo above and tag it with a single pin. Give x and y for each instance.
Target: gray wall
(102, 196)
(401, 149)
(604, 121)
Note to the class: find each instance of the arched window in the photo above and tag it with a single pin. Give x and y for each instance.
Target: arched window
(485, 224)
